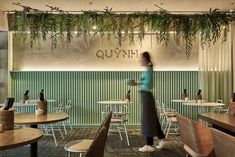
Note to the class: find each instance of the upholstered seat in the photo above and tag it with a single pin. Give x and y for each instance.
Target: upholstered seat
(196, 137)
(224, 144)
(118, 120)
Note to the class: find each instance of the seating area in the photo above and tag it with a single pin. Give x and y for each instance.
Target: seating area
(114, 147)
(117, 78)
(202, 141)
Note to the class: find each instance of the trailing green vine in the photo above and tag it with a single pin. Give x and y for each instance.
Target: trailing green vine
(55, 23)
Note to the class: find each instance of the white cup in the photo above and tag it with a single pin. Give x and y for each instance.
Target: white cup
(38, 112)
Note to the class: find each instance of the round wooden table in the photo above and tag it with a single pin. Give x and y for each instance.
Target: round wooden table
(33, 120)
(19, 137)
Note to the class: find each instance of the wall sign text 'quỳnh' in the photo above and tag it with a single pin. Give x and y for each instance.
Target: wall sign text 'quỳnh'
(117, 53)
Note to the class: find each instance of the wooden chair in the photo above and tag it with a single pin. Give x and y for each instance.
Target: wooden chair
(196, 137)
(96, 149)
(81, 146)
(224, 144)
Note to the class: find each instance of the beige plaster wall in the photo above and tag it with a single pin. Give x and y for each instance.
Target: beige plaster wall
(3, 65)
(101, 55)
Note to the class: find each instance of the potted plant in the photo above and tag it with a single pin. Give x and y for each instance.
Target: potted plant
(26, 96)
(42, 103)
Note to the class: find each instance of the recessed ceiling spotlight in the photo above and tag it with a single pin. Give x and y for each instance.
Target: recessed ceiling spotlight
(90, 3)
(161, 3)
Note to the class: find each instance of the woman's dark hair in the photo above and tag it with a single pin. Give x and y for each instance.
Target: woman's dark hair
(146, 56)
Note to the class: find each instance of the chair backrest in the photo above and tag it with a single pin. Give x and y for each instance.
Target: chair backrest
(224, 144)
(97, 147)
(59, 108)
(219, 101)
(195, 135)
(68, 106)
(106, 122)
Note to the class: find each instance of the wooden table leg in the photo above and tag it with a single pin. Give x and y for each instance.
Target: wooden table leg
(34, 146)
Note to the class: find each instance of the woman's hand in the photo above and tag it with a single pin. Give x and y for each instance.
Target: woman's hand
(134, 83)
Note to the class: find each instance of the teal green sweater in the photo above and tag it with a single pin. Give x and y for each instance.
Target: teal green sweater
(146, 80)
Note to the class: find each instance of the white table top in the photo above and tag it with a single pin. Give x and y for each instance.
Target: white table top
(114, 102)
(20, 104)
(29, 103)
(186, 101)
(36, 100)
(204, 104)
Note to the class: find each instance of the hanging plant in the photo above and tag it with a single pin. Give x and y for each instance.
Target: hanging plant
(48, 25)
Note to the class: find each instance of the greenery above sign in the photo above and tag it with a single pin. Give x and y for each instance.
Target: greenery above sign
(58, 24)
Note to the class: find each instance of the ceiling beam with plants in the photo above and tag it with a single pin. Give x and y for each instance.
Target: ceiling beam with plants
(59, 24)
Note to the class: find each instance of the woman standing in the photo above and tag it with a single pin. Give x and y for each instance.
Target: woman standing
(149, 121)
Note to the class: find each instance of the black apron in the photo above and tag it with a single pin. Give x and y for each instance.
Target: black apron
(149, 121)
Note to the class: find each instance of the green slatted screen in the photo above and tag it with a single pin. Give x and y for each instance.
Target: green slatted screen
(86, 88)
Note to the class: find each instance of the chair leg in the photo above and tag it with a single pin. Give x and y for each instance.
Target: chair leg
(168, 129)
(119, 131)
(65, 131)
(166, 126)
(127, 139)
(61, 133)
(53, 134)
(70, 125)
(162, 121)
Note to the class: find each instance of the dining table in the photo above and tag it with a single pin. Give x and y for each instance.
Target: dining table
(186, 110)
(223, 122)
(28, 106)
(19, 137)
(114, 105)
(33, 120)
(202, 107)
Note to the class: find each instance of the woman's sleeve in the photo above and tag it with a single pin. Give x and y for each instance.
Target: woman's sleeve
(147, 77)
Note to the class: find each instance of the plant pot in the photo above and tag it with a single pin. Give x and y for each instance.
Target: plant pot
(183, 96)
(43, 106)
(7, 119)
(198, 97)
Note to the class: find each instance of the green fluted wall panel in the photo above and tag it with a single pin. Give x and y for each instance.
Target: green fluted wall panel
(85, 89)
